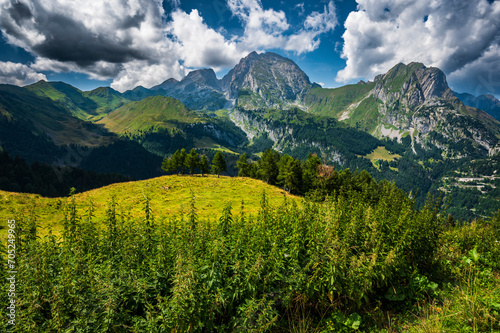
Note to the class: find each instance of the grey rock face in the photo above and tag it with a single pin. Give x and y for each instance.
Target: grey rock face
(416, 99)
(269, 75)
(200, 89)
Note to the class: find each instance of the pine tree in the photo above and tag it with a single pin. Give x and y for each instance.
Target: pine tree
(204, 165)
(268, 166)
(181, 160)
(290, 173)
(169, 164)
(218, 164)
(192, 160)
(173, 163)
(243, 166)
(310, 171)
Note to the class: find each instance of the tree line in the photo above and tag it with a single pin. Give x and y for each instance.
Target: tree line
(310, 177)
(181, 161)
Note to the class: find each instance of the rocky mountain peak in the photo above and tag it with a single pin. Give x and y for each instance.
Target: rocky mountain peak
(204, 76)
(167, 84)
(432, 81)
(411, 84)
(268, 77)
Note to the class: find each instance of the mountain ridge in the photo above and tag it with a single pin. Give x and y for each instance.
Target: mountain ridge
(415, 100)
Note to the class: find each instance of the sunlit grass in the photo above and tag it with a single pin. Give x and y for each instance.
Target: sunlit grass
(169, 196)
(381, 154)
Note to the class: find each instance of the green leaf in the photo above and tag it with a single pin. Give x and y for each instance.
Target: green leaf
(353, 321)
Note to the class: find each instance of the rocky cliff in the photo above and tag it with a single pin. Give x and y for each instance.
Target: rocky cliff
(266, 79)
(258, 80)
(200, 89)
(414, 100)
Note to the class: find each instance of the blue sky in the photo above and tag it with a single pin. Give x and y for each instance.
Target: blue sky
(125, 43)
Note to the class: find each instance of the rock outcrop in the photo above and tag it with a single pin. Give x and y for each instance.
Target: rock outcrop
(258, 80)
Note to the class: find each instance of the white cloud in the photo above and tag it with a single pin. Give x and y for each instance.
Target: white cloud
(138, 73)
(268, 28)
(103, 39)
(455, 36)
(200, 46)
(18, 74)
(263, 28)
(306, 40)
(135, 43)
(481, 76)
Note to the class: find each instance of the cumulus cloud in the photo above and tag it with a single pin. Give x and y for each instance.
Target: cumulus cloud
(134, 42)
(84, 32)
(306, 40)
(18, 74)
(136, 73)
(98, 38)
(457, 36)
(199, 45)
(267, 28)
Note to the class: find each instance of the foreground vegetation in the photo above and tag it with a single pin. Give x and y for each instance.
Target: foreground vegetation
(356, 262)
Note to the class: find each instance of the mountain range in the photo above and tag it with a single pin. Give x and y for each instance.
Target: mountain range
(266, 101)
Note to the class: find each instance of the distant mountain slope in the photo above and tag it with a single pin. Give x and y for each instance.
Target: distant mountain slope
(163, 124)
(411, 100)
(139, 93)
(41, 116)
(83, 105)
(487, 103)
(68, 96)
(107, 99)
(298, 133)
(332, 102)
(200, 89)
(150, 114)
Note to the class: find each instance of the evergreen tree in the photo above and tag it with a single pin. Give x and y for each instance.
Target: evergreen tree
(268, 166)
(243, 166)
(169, 165)
(174, 162)
(204, 165)
(310, 171)
(218, 164)
(290, 173)
(181, 160)
(192, 160)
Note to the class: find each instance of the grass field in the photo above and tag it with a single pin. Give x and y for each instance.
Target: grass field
(169, 195)
(381, 154)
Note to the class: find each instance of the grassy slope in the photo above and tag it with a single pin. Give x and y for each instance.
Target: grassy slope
(169, 195)
(63, 128)
(331, 102)
(381, 153)
(153, 112)
(107, 99)
(70, 97)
